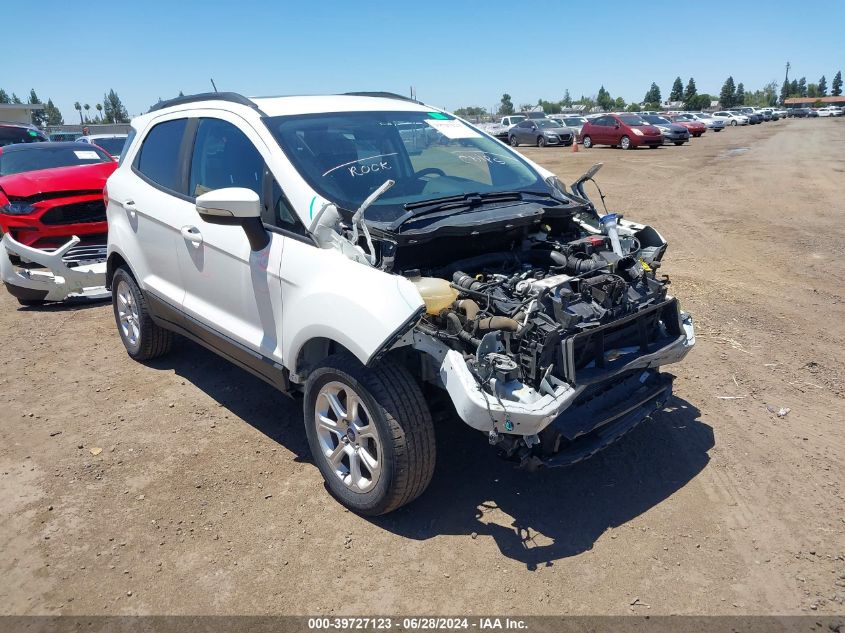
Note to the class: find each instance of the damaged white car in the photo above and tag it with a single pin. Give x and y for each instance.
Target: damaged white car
(374, 252)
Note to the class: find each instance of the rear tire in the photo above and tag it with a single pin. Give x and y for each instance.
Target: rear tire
(377, 454)
(514, 143)
(142, 338)
(587, 142)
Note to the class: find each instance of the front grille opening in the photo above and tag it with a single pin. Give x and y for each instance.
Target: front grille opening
(602, 349)
(76, 213)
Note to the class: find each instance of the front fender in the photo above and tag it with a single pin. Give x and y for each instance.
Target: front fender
(326, 295)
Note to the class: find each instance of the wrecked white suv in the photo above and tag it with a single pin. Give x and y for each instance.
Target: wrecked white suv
(374, 252)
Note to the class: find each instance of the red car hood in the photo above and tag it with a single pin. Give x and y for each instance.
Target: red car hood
(75, 178)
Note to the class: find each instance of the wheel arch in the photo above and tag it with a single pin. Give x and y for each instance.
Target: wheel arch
(115, 261)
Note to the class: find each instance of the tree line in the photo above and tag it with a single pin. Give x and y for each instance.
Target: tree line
(731, 95)
(111, 110)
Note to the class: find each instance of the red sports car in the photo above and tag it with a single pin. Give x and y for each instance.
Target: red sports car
(50, 192)
(696, 128)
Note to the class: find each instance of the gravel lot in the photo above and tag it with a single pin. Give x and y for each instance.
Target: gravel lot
(185, 486)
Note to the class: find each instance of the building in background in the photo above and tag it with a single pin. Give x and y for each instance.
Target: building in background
(18, 112)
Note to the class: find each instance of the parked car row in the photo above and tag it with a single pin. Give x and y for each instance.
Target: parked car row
(630, 129)
(826, 111)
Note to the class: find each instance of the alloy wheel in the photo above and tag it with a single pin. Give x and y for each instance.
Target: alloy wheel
(348, 437)
(127, 313)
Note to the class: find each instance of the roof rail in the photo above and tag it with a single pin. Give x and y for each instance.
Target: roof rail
(232, 97)
(382, 95)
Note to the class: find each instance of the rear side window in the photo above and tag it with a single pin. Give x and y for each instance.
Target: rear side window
(224, 157)
(14, 134)
(158, 159)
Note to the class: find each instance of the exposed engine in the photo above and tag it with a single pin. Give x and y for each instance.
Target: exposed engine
(561, 302)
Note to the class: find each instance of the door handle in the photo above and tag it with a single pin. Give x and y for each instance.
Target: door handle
(129, 205)
(192, 234)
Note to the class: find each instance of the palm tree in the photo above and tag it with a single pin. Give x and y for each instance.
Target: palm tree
(87, 107)
(78, 108)
(99, 107)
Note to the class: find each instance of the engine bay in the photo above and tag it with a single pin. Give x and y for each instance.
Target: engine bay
(566, 299)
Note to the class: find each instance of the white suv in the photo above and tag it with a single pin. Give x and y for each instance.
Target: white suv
(317, 243)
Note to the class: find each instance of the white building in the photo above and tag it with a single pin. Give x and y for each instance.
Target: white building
(18, 112)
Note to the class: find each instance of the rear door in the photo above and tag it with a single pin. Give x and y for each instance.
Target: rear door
(600, 131)
(154, 208)
(523, 131)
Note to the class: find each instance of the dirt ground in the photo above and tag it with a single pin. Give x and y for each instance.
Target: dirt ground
(185, 487)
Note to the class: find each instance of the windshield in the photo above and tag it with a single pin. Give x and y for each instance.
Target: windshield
(44, 156)
(632, 119)
(517, 118)
(575, 120)
(112, 145)
(345, 156)
(657, 120)
(545, 124)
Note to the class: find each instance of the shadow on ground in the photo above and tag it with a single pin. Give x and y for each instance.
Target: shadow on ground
(73, 304)
(553, 514)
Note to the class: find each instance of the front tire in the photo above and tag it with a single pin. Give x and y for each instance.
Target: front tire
(370, 433)
(587, 142)
(541, 141)
(679, 142)
(733, 123)
(625, 143)
(142, 338)
(513, 141)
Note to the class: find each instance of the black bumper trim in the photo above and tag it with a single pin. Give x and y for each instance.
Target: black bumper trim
(614, 424)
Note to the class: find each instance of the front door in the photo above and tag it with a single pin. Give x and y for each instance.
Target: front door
(229, 288)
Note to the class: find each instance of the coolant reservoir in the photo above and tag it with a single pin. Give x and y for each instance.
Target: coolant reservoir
(437, 293)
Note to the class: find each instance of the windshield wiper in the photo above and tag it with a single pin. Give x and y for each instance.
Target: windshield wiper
(469, 200)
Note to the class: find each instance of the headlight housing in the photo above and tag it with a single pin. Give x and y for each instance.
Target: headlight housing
(637, 132)
(17, 208)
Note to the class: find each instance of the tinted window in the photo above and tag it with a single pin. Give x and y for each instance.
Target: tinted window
(224, 157)
(14, 134)
(126, 145)
(277, 211)
(158, 159)
(113, 145)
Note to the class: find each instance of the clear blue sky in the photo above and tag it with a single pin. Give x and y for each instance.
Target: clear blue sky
(455, 53)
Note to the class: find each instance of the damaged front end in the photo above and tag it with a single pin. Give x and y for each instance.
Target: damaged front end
(34, 275)
(550, 341)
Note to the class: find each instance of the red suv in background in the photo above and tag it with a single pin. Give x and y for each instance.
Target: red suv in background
(627, 131)
(50, 192)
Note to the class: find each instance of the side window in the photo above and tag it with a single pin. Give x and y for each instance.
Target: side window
(277, 211)
(126, 144)
(223, 157)
(158, 159)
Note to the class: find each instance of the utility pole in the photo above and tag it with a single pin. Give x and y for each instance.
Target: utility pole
(784, 91)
